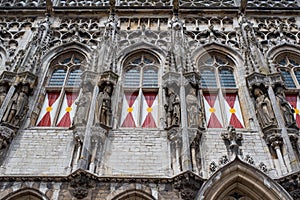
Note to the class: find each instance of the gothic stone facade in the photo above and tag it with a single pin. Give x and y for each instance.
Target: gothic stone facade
(152, 99)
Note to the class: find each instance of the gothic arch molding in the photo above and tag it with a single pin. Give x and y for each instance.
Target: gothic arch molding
(131, 190)
(140, 47)
(134, 194)
(72, 46)
(275, 51)
(27, 191)
(243, 179)
(222, 49)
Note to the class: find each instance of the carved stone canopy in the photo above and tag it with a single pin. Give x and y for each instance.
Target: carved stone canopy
(171, 79)
(108, 76)
(255, 80)
(193, 79)
(88, 76)
(27, 77)
(276, 79)
(10, 77)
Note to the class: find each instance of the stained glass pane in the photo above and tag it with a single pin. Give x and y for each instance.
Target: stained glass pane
(297, 73)
(227, 78)
(208, 78)
(58, 77)
(74, 78)
(132, 78)
(150, 78)
(288, 78)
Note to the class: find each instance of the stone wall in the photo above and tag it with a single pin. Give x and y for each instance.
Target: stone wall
(40, 152)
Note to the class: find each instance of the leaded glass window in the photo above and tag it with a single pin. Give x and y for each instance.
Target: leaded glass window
(62, 90)
(140, 100)
(288, 65)
(221, 101)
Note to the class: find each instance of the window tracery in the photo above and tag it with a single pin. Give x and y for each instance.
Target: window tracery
(62, 90)
(221, 102)
(140, 101)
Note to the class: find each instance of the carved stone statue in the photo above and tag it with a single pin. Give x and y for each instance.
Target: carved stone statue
(194, 111)
(83, 104)
(3, 91)
(285, 107)
(172, 108)
(264, 109)
(104, 106)
(17, 106)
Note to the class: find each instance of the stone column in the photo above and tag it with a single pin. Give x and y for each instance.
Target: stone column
(276, 143)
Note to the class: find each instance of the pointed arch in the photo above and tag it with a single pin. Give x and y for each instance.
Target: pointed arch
(241, 179)
(218, 66)
(218, 48)
(26, 192)
(62, 69)
(134, 195)
(140, 47)
(283, 48)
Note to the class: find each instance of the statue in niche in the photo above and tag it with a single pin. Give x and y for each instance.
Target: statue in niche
(172, 108)
(264, 109)
(83, 104)
(285, 107)
(104, 106)
(194, 111)
(17, 106)
(3, 91)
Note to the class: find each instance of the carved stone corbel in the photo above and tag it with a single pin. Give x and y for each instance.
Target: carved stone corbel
(81, 184)
(188, 185)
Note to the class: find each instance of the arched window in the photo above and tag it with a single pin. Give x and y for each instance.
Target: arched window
(288, 64)
(140, 101)
(221, 102)
(62, 89)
